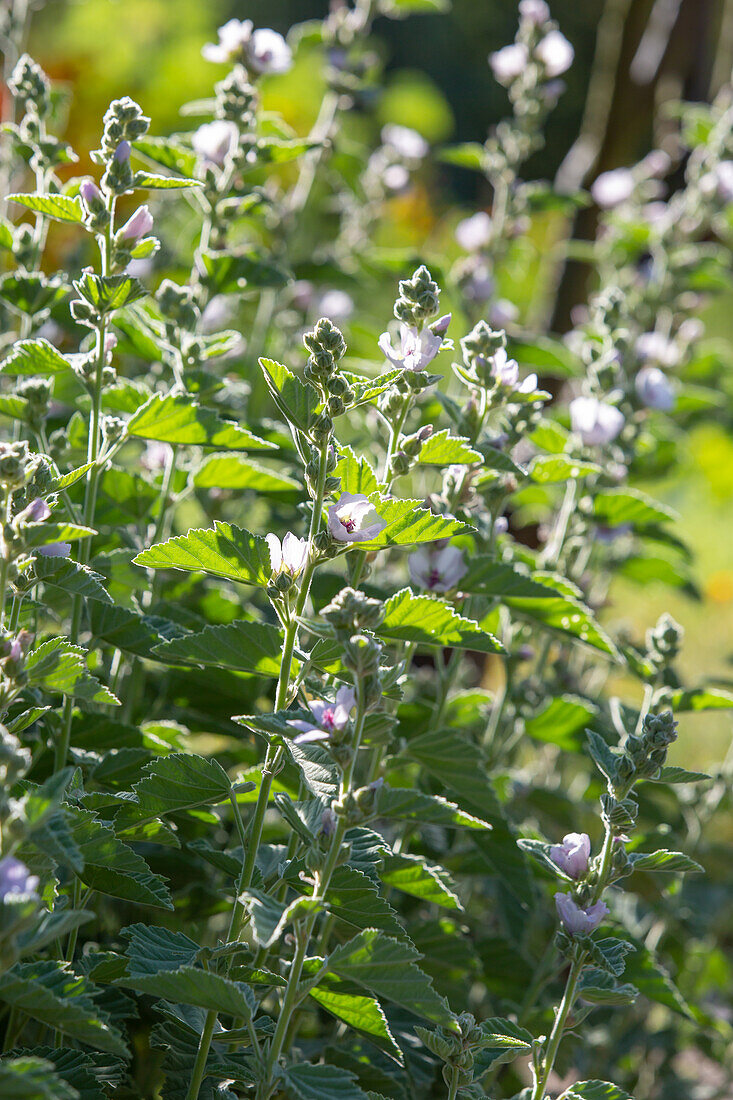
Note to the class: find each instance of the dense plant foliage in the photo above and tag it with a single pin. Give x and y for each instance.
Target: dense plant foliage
(318, 778)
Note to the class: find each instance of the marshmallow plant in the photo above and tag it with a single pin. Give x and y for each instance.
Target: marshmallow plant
(315, 779)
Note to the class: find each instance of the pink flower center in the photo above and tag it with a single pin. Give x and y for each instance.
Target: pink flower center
(328, 719)
(434, 578)
(348, 522)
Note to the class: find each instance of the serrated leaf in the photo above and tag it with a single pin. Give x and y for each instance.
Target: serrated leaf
(414, 875)
(32, 1078)
(428, 620)
(444, 449)
(595, 1090)
(368, 389)
(548, 469)
(178, 419)
(52, 993)
(230, 272)
(226, 551)
(83, 1070)
(697, 699)
(235, 472)
(412, 805)
(59, 666)
(108, 293)
(192, 985)
(386, 967)
(243, 646)
(269, 917)
(614, 507)
(61, 208)
(664, 860)
(152, 949)
(502, 581)
(298, 401)
(35, 357)
(170, 784)
(304, 1081)
(598, 988)
(357, 476)
(349, 1003)
(354, 898)
(564, 612)
(72, 577)
(561, 722)
(32, 293)
(152, 182)
(167, 153)
(111, 867)
(409, 522)
(678, 775)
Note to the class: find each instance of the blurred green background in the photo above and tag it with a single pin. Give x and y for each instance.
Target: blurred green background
(437, 81)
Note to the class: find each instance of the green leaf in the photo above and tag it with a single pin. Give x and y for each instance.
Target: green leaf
(170, 784)
(235, 472)
(152, 182)
(564, 612)
(129, 631)
(491, 578)
(457, 763)
(598, 988)
(410, 805)
(409, 522)
(108, 293)
(664, 860)
(167, 153)
(546, 356)
(32, 293)
(444, 449)
(32, 1078)
(698, 699)
(225, 551)
(231, 272)
(427, 620)
(61, 208)
(192, 985)
(414, 875)
(177, 419)
(83, 1071)
(614, 507)
(678, 775)
(386, 967)
(111, 867)
(357, 476)
(35, 357)
(366, 390)
(349, 1003)
(547, 469)
(297, 401)
(304, 1081)
(62, 1000)
(270, 917)
(152, 949)
(562, 722)
(354, 898)
(470, 154)
(595, 1090)
(605, 759)
(244, 646)
(57, 665)
(72, 577)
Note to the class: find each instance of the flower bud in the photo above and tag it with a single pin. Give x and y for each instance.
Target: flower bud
(139, 225)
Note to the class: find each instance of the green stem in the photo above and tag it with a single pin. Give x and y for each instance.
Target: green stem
(558, 1028)
(5, 560)
(202, 1054)
(453, 1088)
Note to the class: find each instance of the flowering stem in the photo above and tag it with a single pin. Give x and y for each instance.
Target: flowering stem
(5, 560)
(453, 1087)
(564, 1009)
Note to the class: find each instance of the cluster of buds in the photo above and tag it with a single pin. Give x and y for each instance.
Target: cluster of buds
(124, 123)
(352, 617)
(663, 643)
(36, 393)
(237, 100)
(418, 300)
(326, 346)
(13, 652)
(179, 308)
(17, 464)
(644, 755)
(30, 86)
(409, 449)
(458, 1051)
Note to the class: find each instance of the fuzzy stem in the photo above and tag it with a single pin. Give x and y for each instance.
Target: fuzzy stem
(564, 1009)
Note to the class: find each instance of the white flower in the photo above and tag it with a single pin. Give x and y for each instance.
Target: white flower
(233, 39)
(509, 63)
(479, 285)
(268, 52)
(395, 177)
(214, 141)
(406, 142)
(474, 233)
(437, 569)
(288, 557)
(724, 180)
(353, 518)
(155, 457)
(503, 369)
(612, 188)
(328, 717)
(654, 389)
(536, 11)
(595, 421)
(555, 53)
(655, 346)
(416, 350)
(337, 305)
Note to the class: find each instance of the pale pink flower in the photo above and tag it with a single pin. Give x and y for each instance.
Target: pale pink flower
(416, 350)
(139, 225)
(555, 53)
(654, 389)
(290, 556)
(509, 63)
(612, 188)
(214, 141)
(576, 920)
(573, 854)
(327, 717)
(596, 422)
(354, 519)
(437, 569)
(474, 233)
